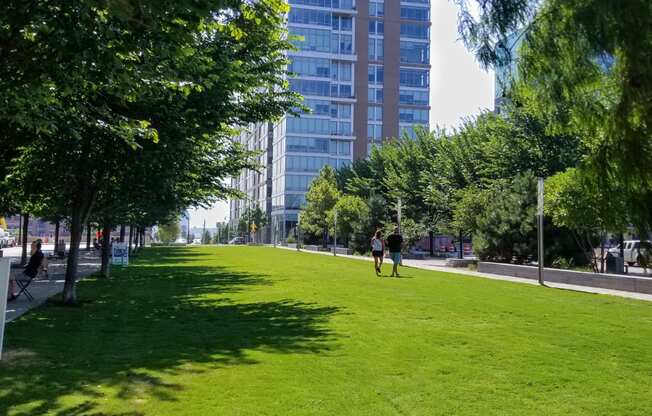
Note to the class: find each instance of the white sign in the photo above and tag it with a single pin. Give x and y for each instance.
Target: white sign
(5, 265)
(120, 254)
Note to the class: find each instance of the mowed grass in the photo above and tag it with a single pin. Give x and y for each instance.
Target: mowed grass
(262, 331)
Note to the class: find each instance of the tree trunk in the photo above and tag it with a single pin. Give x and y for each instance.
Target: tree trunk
(76, 229)
(461, 255)
(602, 236)
(106, 251)
(142, 238)
(122, 233)
(88, 237)
(431, 244)
(23, 256)
(57, 224)
(131, 237)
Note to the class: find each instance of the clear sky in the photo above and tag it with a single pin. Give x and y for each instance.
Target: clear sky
(459, 88)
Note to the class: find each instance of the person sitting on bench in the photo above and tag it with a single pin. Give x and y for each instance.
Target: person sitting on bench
(30, 272)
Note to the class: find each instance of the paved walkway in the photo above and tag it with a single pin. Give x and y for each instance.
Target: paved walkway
(440, 266)
(43, 289)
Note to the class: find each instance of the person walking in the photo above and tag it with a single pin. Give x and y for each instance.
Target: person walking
(378, 250)
(394, 243)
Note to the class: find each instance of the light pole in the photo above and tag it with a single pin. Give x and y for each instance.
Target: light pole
(335, 236)
(540, 228)
(298, 230)
(274, 231)
(188, 231)
(398, 217)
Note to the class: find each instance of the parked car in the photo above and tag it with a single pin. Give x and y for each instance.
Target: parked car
(634, 251)
(6, 239)
(237, 240)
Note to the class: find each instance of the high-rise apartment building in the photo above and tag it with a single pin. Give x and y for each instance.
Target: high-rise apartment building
(363, 67)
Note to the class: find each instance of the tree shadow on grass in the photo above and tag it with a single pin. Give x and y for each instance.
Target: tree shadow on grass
(146, 324)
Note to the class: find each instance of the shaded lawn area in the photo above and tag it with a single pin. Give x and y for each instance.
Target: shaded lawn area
(262, 331)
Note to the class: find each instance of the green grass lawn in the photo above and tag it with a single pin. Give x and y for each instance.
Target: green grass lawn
(262, 331)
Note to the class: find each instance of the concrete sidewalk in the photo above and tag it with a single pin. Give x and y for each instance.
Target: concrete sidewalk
(44, 288)
(440, 266)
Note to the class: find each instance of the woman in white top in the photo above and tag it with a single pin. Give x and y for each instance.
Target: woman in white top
(378, 250)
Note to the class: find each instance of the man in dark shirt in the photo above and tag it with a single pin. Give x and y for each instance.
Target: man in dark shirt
(394, 243)
(34, 263)
(31, 270)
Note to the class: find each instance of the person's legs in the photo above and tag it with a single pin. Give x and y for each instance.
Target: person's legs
(11, 293)
(396, 259)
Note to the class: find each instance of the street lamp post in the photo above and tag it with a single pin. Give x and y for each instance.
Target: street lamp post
(335, 235)
(540, 228)
(298, 230)
(398, 217)
(188, 230)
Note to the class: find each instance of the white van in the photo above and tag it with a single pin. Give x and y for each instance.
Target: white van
(633, 251)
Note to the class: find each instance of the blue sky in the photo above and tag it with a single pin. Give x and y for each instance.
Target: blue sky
(459, 88)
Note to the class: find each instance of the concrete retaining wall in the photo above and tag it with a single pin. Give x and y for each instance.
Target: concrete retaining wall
(605, 281)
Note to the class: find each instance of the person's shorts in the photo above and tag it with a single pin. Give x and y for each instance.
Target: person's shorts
(377, 253)
(396, 257)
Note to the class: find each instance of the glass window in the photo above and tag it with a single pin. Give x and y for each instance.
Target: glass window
(409, 115)
(298, 182)
(414, 31)
(343, 4)
(318, 3)
(375, 95)
(308, 125)
(414, 77)
(309, 17)
(318, 107)
(376, 74)
(306, 163)
(341, 71)
(314, 67)
(343, 23)
(307, 145)
(310, 87)
(376, 50)
(415, 52)
(374, 113)
(376, 8)
(413, 97)
(376, 27)
(311, 39)
(342, 44)
(293, 201)
(374, 131)
(415, 13)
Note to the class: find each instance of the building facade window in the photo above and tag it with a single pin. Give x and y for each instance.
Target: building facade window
(415, 13)
(413, 115)
(376, 8)
(414, 77)
(375, 94)
(310, 17)
(376, 49)
(414, 97)
(376, 27)
(415, 31)
(376, 74)
(414, 52)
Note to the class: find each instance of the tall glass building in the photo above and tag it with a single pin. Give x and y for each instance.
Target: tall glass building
(363, 67)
